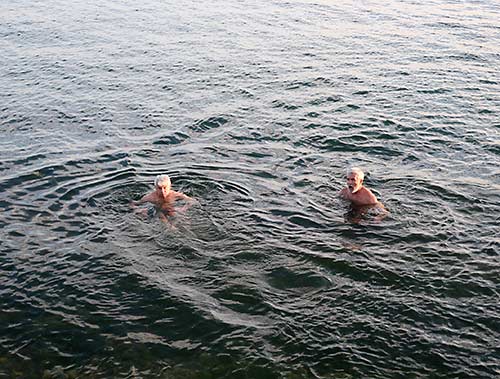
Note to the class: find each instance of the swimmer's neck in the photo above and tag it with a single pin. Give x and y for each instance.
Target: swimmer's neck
(356, 190)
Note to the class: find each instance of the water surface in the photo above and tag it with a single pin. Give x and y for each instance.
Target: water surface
(255, 109)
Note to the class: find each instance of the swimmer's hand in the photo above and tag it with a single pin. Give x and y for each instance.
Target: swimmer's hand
(134, 203)
(189, 203)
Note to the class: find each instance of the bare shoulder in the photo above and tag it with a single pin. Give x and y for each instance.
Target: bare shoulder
(343, 193)
(368, 196)
(149, 198)
(180, 195)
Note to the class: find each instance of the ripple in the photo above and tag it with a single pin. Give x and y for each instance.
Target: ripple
(283, 279)
(174, 139)
(208, 124)
(282, 104)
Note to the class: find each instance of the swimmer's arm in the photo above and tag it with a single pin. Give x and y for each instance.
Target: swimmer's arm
(189, 201)
(163, 218)
(145, 199)
(182, 196)
(369, 198)
(343, 193)
(134, 203)
(383, 212)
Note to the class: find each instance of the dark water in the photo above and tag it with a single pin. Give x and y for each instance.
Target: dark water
(255, 109)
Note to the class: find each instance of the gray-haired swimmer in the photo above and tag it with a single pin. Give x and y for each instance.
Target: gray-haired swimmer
(163, 198)
(361, 198)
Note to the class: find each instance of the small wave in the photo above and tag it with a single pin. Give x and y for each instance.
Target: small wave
(209, 123)
(327, 99)
(286, 279)
(284, 105)
(299, 84)
(173, 139)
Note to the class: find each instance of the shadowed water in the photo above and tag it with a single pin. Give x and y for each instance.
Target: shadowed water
(255, 109)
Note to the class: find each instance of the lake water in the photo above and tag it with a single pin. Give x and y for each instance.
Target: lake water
(256, 109)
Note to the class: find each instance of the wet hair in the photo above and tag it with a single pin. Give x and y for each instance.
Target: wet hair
(357, 171)
(162, 178)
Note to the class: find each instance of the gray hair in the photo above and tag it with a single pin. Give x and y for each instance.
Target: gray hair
(162, 178)
(356, 171)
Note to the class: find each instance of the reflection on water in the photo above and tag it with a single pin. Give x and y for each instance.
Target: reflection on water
(256, 112)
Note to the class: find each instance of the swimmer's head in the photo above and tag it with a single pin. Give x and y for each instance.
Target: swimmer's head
(163, 184)
(355, 177)
(357, 171)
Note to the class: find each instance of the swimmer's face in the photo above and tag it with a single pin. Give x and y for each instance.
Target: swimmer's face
(354, 182)
(163, 188)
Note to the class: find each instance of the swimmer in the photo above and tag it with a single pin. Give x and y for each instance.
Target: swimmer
(361, 198)
(163, 198)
